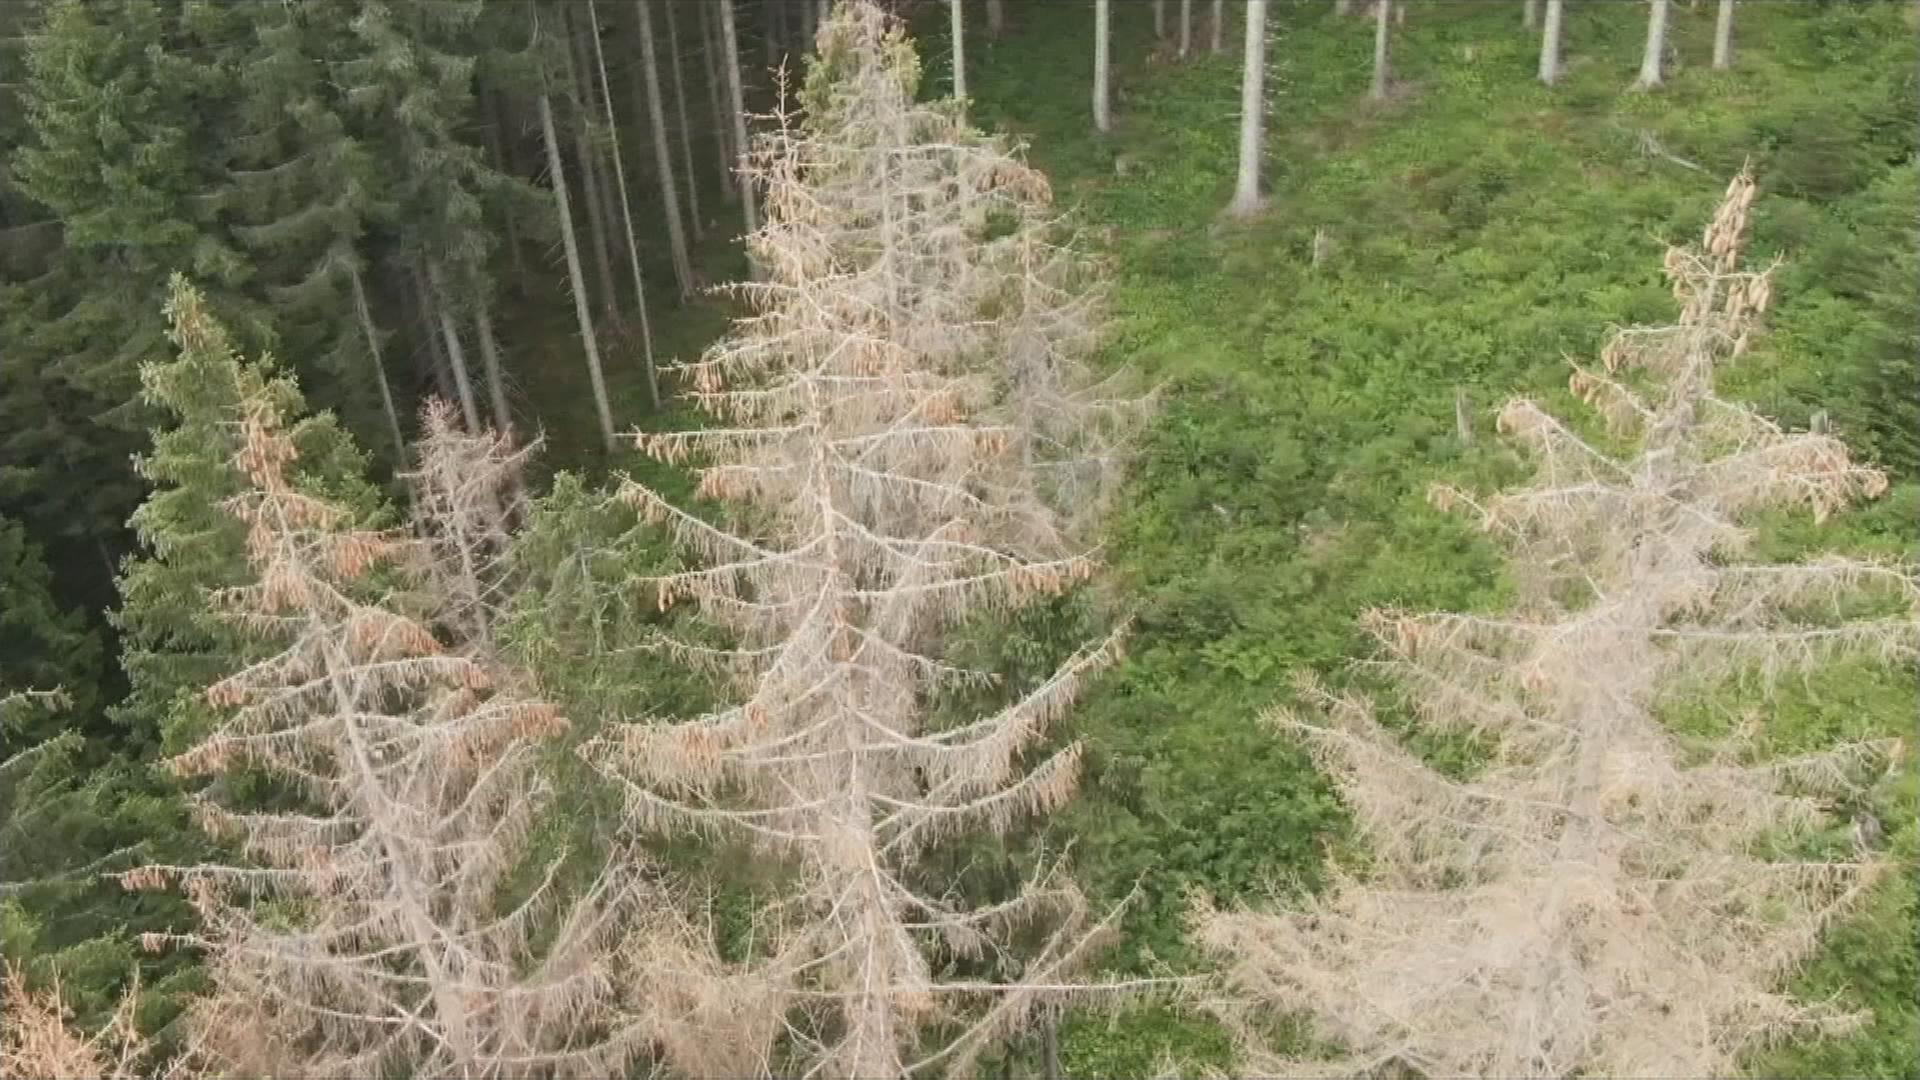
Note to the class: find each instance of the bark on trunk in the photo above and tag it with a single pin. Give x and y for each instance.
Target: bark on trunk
(437, 365)
(1102, 22)
(1723, 36)
(1550, 44)
(1382, 9)
(1219, 28)
(365, 315)
(626, 206)
(1343, 8)
(680, 111)
(662, 157)
(1186, 28)
(722, 131)
(581, 309)
(957, 13)
(1530, 14)
(1246, 189)
(734, 90)
(590, 176)
(456, 354)
(776, 25)
(1159, 20)
(1650, 72)
(490, 358)
(996, 18)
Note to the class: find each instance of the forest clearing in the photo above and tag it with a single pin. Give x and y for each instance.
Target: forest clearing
(1067, 538)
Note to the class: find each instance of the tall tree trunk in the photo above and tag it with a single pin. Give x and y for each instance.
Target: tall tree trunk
(996, 18)
(722, 131)
(680, 111)
(490, 358)
(1723, 36)
(809, 26)
(438, 366)
(626, 206)
(589, 155)
(1159, 20)
(436, 284)
(734, 90)
(1530, 14)
(578, 280)
(956, 13)
(1656, 45)
(1550, 44)
(772, 13)
(1381, 12)
(1102, 26)
(1343, 8)
(662, 152)
(495, 127)
(1246, 189)
(364, 313)
(1218, 43)
(1186, 28)
(1049, 1027)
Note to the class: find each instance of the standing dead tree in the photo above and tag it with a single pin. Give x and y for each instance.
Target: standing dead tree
(869, 429)
(372, 928)
(38, 1041)
(1602, 898)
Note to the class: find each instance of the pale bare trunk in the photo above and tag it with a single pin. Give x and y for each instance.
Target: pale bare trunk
(1381, 11)
(680, 111)
(1218, 30)
(437, 365)
(1246, 189)
(365, 315)
(734, 90)
(581, 309)
(956, 13)
(490, 358)
(1102, 23)
(1343, 8)
(589, 157)
(662, 153)
(1186, 27)
(1159, 20)
(1530, 14)
(722, 131)
(1550, 44)
(497, 121)
(1656, 45)
(776, 26)
(996, 18)
(456, 354)
(626, 206)
(1400, 13)
(1723, 36)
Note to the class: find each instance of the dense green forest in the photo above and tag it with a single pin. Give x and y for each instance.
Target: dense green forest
(1263, 537)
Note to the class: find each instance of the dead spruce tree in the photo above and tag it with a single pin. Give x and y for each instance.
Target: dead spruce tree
(867, 428)
(38, 1039)
(1601, 899)
(367, 932)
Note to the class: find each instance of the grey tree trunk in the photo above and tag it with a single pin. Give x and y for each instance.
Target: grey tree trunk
(1218, 30)
(662, 153)
(809, 25)
(437, 365)
(626, 206)
(775, 28)
(490, 358)
(456, 355)
(365, 315)
(1381, 12)
(1246, 189)
(1656, 45)
(722, 131)
(1186, 27)
(1102, 24)
(577, 279)
(1723, 36)
(1343, 8)
(996, 18)
(589, 157)
(1530, 14)
(1550, 44)
(680, 111)
(957, 14)
(734, 90)
(1159, 20)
